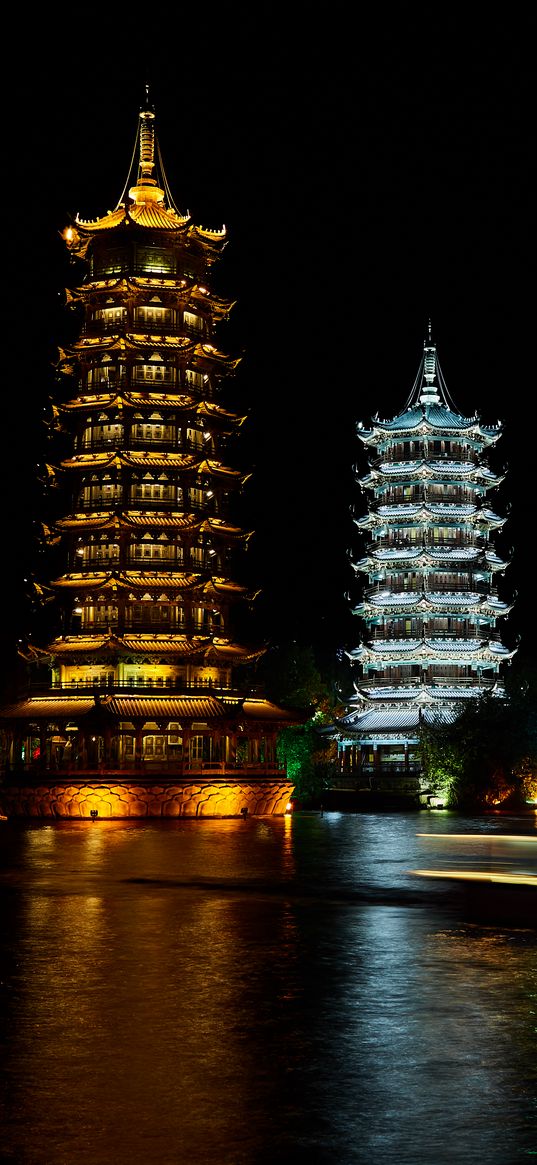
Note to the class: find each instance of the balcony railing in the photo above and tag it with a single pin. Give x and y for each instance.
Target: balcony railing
(419, 681)
(480, 588)
(145, 626)
(164, 444)
(215, 770)
(156, 504)
(404, 544)
(145, 687)
(123, 383)
(456, 633)
(417, 457)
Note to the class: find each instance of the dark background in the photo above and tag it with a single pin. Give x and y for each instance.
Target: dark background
(371, 175)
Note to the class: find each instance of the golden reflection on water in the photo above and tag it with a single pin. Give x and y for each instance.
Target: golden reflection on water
(214, 993)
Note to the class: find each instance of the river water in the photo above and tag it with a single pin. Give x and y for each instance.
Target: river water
(259, 991)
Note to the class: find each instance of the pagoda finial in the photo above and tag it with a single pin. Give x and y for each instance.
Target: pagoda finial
(147, 148)
(146, 188)
(429, 339)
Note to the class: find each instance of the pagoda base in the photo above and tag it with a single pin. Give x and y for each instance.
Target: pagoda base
(72, 798)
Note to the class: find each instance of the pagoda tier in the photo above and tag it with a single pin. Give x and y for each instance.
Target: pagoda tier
(146, 588)
(429, 607)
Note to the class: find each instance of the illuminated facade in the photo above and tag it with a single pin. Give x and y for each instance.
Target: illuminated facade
(145, 676)
(430, 605)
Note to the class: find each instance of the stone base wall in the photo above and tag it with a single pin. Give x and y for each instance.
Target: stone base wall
(74, 799)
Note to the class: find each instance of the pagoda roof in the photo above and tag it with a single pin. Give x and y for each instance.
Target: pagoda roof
(187, 523)
(429, 408)
(149, 580)
(396, 719)
(139, 342)
(428, 418)
(143, 460)
(430, 470)
(142, 644)
(186, 289)
(131, 341)
(127, 580)
(146, 201)
(386, 649)
(225, 651)
(204, 647)
(424, 693)
(152, 215)
(426, 511)
(433, 600)
(156, 400)
(119, 458)
(430, 556)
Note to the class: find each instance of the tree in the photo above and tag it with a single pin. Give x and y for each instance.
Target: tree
(488, 754)
(291, 677)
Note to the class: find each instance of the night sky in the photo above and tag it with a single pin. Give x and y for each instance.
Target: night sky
(368, 182)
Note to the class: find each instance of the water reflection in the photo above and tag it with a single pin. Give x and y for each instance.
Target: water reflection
(245, 992)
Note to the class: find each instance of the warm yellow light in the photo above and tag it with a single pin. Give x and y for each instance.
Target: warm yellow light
(69, 234)
(479, 876)
(490, 837)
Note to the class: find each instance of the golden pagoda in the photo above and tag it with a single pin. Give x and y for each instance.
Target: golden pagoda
(145, 713)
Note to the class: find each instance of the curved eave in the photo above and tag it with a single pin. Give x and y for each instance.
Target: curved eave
(265, 711)
(182, 462)
(150, 581)
(431, 418)
(127, 580)
(184, 523)
(131, 341)
(458, 651)
(223, 651)
(420, 696)
(220, 588)
(418, 557)
(49, 708)
(185, 346)
(432, 473)
(104, 520)
(150, 215)
(119, 458)
(450, 603)
(157, 644)
(131, 400)
(433, 513)
(153, 400)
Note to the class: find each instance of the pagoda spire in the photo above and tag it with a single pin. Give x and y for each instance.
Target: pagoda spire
(429, 387)
(146, 187)
(429, 393)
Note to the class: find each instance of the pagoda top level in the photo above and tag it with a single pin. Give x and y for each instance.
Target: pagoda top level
(429, 408)
(146, 200)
